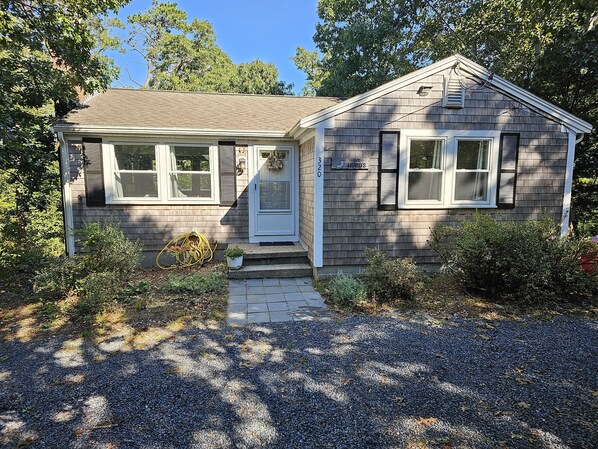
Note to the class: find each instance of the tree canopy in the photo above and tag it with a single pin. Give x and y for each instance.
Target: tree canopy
(549, 47)
(51, 51)
(185, 56)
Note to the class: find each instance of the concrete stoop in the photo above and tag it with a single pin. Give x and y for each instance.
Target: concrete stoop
(262, 262)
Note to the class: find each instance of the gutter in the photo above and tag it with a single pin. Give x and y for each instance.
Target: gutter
(134, 131)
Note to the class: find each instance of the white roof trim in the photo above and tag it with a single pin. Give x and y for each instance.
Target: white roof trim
(569, 120)
(126, 130)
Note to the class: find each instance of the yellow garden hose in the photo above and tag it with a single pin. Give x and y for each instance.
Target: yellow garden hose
(188, 249)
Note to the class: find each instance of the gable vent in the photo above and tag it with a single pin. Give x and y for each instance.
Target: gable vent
(454, 93)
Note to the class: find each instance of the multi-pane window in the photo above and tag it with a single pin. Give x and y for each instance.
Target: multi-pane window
(446, 169)
(473, 170)
(190, 172)
(158, 173)
(426, 170)
(135, 171)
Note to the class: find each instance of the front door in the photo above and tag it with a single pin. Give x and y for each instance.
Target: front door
(274, 201)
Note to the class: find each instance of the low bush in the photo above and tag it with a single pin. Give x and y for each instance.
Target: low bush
(233, 252)
(389, 279)
(58, 278)
(346, 290)
(527, 260)
(198, 283)
(106, 249)
(108, 261)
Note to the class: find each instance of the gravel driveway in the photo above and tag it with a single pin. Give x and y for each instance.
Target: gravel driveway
(359, 382)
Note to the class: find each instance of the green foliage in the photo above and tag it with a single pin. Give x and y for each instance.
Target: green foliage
(29, 239)
(136, 288)
(346, 290)
(389, 279)
(50, 51)
(525, 260)
(59, 278)
(199, 283)
(233, 252)
(185, 56)
(108, 262)
(106, 249)
(549, 47)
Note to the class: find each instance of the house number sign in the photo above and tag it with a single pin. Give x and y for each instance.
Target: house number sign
(349, 164)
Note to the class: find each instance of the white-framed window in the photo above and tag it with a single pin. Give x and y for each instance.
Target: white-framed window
(448, 169)
(191, 173)
(158, 173)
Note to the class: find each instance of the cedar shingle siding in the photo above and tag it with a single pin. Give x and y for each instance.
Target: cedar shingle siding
(352, 221)
(306, 195)
(155, 225)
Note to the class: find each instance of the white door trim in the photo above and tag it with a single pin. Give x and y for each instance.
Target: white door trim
(253, 172)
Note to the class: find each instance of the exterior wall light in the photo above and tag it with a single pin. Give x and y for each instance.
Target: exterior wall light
(241, 166)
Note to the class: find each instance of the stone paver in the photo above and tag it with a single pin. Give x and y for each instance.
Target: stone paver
(274, 300)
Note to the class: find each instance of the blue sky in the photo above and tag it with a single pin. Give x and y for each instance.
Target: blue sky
(246, 29)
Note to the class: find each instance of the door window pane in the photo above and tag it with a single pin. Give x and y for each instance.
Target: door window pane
(275, 195)
(425, 154)
(135, 185)
(424, 186)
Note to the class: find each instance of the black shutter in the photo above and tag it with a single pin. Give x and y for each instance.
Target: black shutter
(388, 170)
(95, 193)
(227, 173)
(507, 171)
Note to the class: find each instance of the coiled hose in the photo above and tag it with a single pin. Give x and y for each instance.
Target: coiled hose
(188, 249)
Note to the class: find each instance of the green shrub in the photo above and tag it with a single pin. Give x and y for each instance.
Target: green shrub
(233, 252)
(390, 279)
(106, 249)
(97, 290)
(198, 283)
(347, 290)
(58, 278)
(527, 260)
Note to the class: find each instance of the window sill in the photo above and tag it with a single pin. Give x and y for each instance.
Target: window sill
(138, 202)
(446, 207)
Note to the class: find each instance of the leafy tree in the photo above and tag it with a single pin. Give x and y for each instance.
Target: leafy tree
(185, 56)
(51, 51)
(549, 47)
(258, 77)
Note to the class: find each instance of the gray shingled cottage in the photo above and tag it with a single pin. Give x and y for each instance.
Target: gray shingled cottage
(335, 176)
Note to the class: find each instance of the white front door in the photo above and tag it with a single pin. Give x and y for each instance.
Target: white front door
(274, 194)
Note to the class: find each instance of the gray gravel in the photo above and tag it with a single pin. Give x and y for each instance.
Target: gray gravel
(360, 382)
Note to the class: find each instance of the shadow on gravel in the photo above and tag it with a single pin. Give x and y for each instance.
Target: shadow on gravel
(358, 383)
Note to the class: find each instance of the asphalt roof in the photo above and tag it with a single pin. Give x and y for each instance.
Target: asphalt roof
(194, 110)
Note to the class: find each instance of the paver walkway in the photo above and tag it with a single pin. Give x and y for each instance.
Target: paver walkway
(272, 300)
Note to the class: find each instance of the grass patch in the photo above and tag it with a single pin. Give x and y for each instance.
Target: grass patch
(153, 305)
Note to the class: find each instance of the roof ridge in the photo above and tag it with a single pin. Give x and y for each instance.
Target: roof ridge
(232, 94)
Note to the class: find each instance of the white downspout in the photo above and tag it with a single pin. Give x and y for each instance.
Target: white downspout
(572, 140)
(67, 199)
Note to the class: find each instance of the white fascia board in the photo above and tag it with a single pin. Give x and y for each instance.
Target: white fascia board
(516, 92)
(192, 132)
(572, 122)
(391, 86)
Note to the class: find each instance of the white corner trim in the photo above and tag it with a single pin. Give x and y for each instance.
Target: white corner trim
(67, 199)
(481, 72)
(318, 261)
(571, 141)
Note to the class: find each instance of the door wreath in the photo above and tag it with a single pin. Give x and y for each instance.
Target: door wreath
(274, 163)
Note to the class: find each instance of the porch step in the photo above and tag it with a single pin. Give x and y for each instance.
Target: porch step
(279, 270)
(276, 258)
